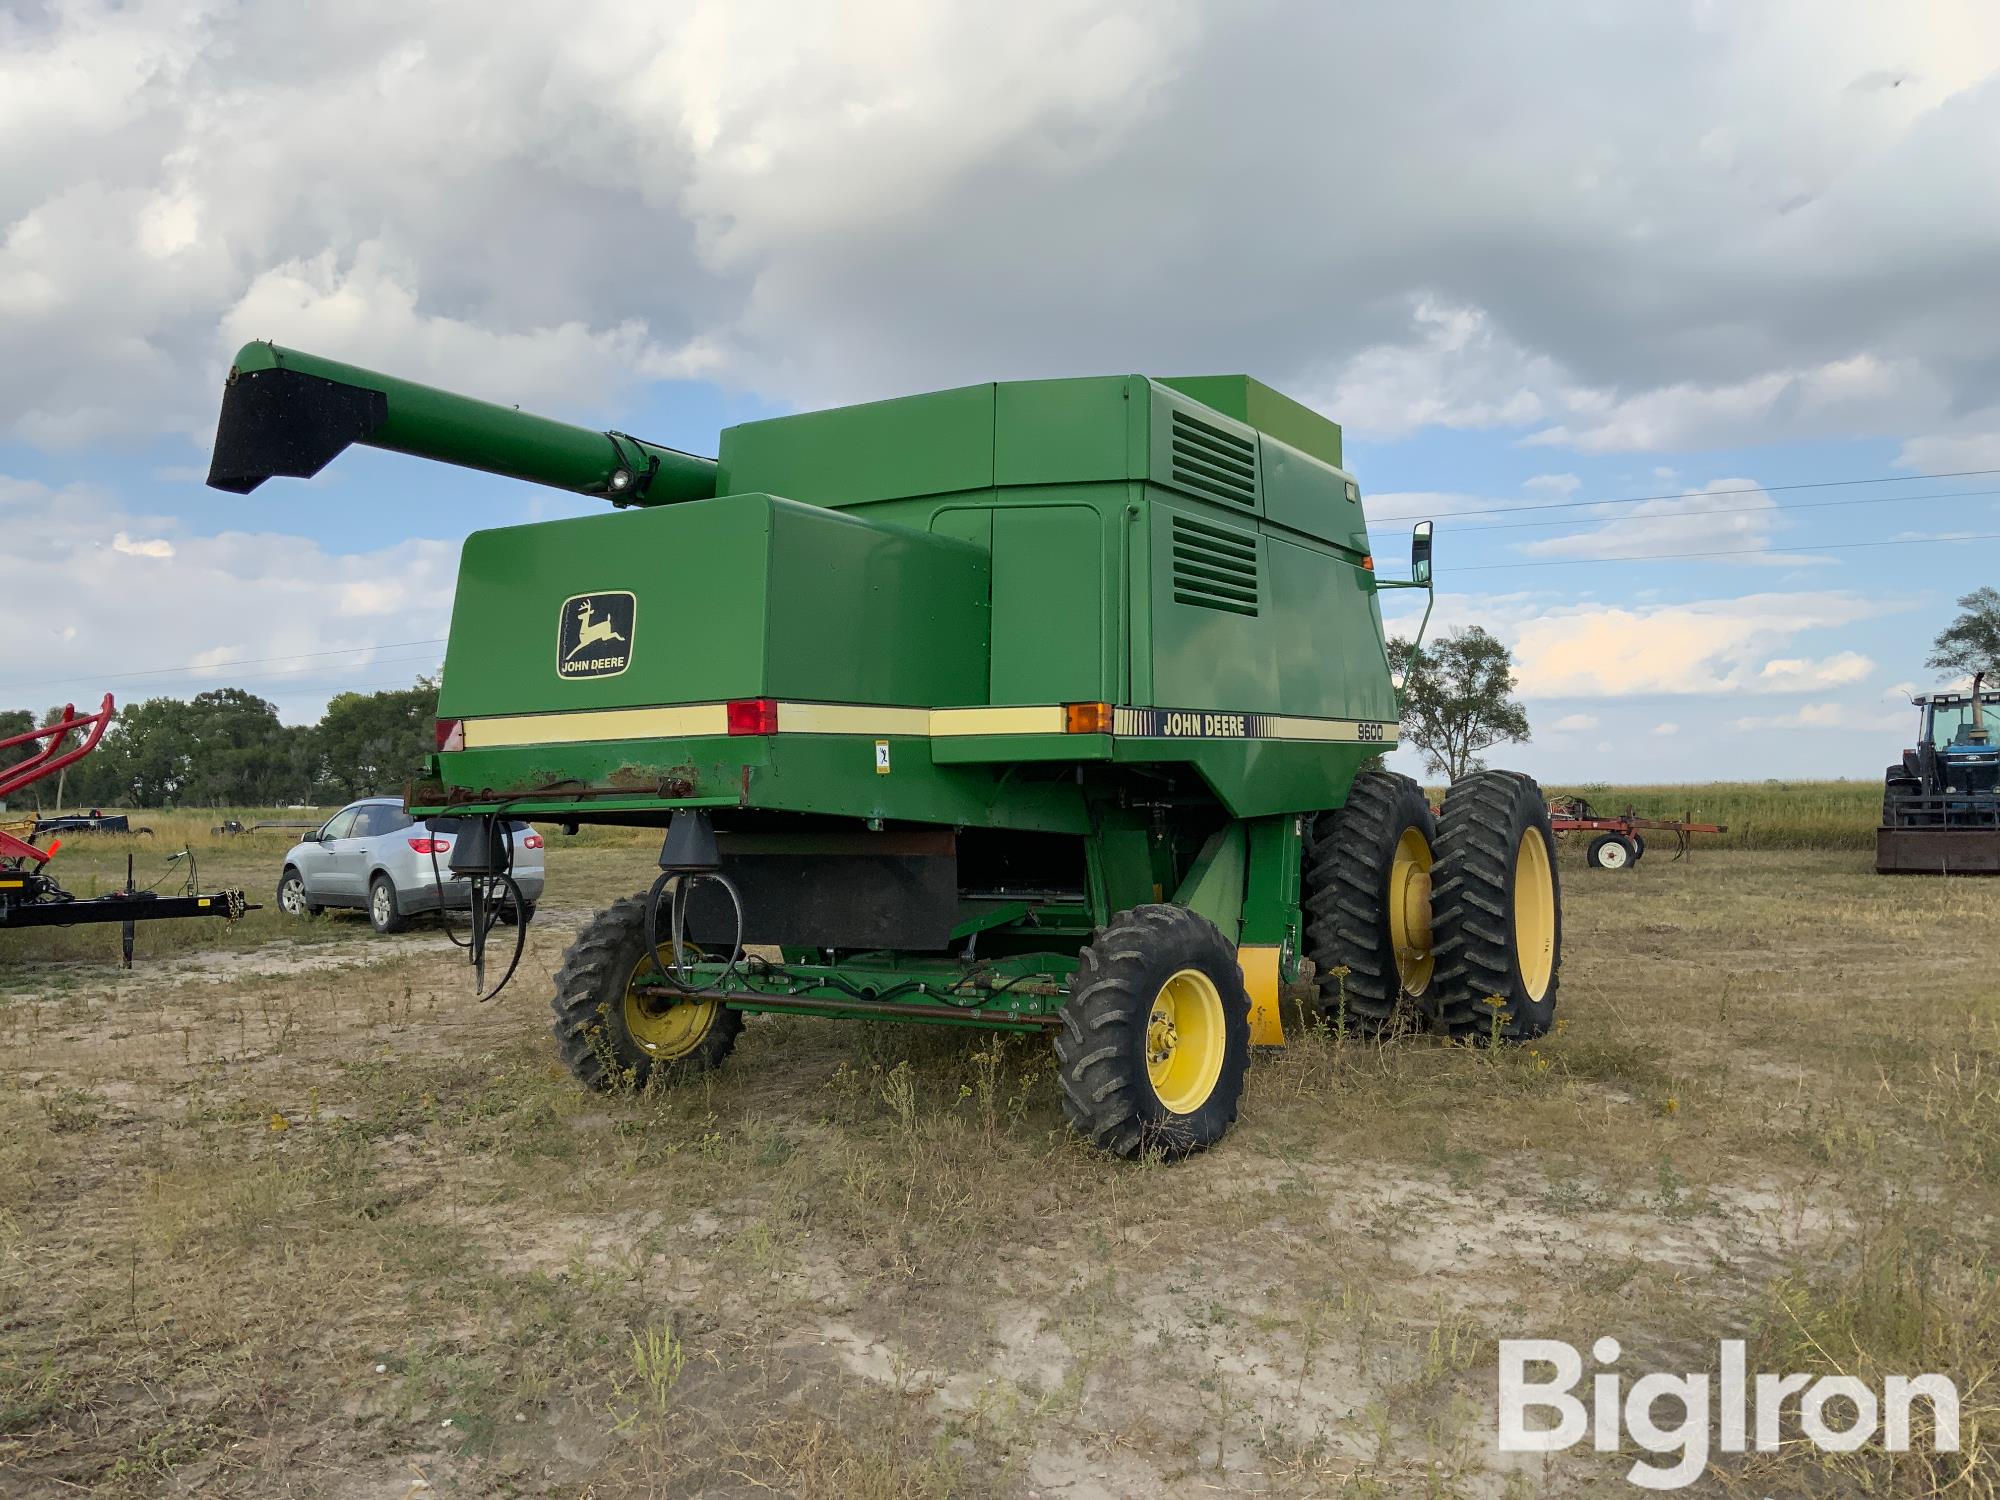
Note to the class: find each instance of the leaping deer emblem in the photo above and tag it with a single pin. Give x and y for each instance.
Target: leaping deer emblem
(591, 630)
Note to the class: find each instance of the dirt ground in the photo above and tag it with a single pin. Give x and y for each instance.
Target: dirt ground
(293, 1216)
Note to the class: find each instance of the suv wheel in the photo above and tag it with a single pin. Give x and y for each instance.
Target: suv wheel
(382, 912)
(292, 895)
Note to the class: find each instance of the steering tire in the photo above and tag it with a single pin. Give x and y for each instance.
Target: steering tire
(610, 1034)
(292, 895)
(1155, 1035)
(382, 913)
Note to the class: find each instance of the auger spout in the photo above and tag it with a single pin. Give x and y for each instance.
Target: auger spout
(290, 414)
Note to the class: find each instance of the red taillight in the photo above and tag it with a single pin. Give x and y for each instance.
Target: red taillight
(431, 846)
(450, 734)
(531, 841)
(753, 716)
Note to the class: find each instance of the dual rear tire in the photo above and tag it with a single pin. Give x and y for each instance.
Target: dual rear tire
(1453, 920)
(1496, 912)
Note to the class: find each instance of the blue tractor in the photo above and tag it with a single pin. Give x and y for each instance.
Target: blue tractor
(1941, 802)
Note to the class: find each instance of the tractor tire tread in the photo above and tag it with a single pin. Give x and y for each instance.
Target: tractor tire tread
(1346, 876)
(594, 969)
(1484, 816)
(1100, 1048)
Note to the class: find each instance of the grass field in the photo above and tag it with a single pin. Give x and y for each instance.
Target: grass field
(1758, 815)
(283, 1212)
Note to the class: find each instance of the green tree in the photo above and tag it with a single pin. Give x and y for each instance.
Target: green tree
(372, 743)
(15, 721)
(1457, 699)
(149, 753)
(238, 759)
(1971, 643)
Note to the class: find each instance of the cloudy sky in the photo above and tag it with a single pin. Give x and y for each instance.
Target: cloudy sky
(1731, 258)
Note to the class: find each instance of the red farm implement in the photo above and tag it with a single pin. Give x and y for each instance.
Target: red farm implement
(1619, 839)
(31, 897)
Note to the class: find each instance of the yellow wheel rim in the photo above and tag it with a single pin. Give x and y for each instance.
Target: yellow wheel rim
(663, 1025)
(1410, 910)
(1534, 914)
(1185, 1041)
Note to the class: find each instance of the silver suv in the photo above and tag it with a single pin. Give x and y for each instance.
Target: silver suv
(372, 855)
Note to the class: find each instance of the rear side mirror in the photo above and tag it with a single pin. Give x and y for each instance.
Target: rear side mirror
(1420, 553)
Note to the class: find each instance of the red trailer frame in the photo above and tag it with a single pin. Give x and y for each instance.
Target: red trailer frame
(30, 897)
(1620, 841)
(46, 761)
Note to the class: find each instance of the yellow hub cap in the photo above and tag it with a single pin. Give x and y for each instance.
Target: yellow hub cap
(1534, 914)
(1185, 1041)
(1410, 910)
(663, 1024)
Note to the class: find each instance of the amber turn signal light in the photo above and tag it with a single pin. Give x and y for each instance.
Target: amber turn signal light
(1087, 718)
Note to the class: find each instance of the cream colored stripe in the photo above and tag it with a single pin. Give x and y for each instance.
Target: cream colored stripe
(681, 721)
(851, 718)
(1286, 728)
(688, 720)
(1043, 719)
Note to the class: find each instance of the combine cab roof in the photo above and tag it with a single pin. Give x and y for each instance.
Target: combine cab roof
(1952, 700)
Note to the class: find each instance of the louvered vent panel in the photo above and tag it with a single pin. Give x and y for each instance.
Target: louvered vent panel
(1214, 462)
(1214, 568)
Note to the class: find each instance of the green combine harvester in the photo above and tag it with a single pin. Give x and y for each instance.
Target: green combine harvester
(1032, 706)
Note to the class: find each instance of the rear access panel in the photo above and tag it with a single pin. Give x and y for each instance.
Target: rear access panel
(894, 889)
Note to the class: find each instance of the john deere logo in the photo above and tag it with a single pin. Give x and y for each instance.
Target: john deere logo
(594, 635)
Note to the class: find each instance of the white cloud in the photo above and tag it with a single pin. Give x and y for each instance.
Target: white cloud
(1699, 233)
(1457, 370)
(156, 547)
(1666, 730)
(1713, 646)
(1732, 517)
(1595, 650)
(1858, 391)
(1574, 724)
(279, 604)
(1801, 675)
(1952, 453)
(1844, 716)
(1562, 486)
